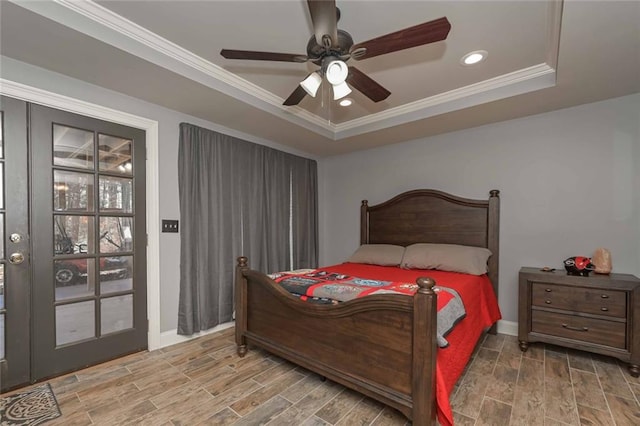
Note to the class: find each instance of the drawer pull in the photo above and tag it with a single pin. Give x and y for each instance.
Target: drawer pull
(603, 309)
(605, 296)
(548, 302)
(548, 290)
(568, 327)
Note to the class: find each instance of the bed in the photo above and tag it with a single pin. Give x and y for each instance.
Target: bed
(383, 346)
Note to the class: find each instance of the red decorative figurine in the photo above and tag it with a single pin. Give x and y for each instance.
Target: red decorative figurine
(579, 265)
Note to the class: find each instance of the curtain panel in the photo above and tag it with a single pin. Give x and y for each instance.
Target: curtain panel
(238, 198)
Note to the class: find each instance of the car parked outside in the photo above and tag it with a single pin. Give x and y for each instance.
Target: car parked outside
(72, 271)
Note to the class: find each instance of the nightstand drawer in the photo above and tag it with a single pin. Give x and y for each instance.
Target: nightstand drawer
(602, 332)
(579, 299)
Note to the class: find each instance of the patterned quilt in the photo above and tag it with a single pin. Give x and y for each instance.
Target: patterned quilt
(326, 287)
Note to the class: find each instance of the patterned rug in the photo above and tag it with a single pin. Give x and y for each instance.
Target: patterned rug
(30, 408)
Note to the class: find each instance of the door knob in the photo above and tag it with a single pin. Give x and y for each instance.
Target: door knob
(16, 258)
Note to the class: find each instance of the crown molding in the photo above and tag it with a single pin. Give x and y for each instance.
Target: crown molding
(101, 23)
(515, 83)
(104, 25)
(554, 21)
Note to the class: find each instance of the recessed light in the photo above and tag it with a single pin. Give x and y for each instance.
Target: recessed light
(474, 57)
(346, 102)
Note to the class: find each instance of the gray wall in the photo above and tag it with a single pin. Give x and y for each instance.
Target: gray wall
(168, 153)
(569, 182)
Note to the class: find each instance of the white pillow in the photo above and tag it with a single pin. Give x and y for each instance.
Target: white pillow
(378, 254)
(446, 257)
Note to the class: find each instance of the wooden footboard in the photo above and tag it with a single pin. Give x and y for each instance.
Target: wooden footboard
(383, 346)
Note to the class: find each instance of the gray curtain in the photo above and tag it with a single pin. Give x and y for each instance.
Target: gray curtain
(238, 198)
(304, 215)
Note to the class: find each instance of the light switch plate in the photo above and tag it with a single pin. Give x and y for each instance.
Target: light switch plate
(169, 225)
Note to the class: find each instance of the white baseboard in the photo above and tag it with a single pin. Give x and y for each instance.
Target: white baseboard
(171, 337)
(508, 327)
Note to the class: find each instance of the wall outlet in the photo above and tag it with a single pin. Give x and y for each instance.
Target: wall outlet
(169, 225)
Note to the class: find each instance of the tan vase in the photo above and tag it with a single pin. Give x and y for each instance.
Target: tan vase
(602, 260)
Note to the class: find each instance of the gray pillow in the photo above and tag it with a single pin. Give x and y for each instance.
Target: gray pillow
(378, 254)
(446, 257)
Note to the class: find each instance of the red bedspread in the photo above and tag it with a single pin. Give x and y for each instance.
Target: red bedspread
(482, 311)
(328, 287)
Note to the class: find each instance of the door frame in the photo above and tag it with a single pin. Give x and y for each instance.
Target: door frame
(77, 106)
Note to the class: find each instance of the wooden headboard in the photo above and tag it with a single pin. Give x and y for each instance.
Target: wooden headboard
(429, 216)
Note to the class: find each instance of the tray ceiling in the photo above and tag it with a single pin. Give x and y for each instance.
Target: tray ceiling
(167, 52)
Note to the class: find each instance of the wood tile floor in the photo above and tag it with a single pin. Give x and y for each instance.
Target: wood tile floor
(204, 382)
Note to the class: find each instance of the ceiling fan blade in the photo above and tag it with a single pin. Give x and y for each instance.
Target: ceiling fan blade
(295, 97)
(325, 21)
(417, 35)
(366, 85)
(262, 56)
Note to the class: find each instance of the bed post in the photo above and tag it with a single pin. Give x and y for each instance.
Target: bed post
(424, 353)
(493, 230)
(364, 223)
(241, 303)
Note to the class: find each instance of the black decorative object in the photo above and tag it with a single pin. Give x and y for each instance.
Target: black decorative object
(579, 265)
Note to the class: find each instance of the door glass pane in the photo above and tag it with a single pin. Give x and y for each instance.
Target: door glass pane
(115, 274)
(116, 194)
(117, 313)
(1, 308)
(1, 285)
(116, 234)
(1, 235)
(74, 278)
(74, 322)
(72, 191)
(73, 234)
(72, 147)
(1, 134)
(1, 185)
(114, 154)
(1, 336)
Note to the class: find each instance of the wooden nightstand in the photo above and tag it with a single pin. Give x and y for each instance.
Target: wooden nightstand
(599, 313)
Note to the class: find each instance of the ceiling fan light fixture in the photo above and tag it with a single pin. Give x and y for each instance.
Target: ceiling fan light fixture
(329, 47)
(336, 72)
(474, 57)
(311, 84)
(340, 90)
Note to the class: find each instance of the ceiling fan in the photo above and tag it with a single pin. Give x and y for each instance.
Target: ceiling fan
(331, 47)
